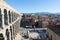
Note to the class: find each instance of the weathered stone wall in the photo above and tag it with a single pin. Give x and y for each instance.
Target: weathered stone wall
(16, 28)
(52, 35)
(12, 27)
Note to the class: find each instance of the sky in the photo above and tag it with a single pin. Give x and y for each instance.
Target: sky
(32, 6)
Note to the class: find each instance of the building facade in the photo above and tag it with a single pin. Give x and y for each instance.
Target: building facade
(53, 31)
(9, 21)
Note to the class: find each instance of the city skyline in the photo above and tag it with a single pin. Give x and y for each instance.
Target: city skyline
(32, 6)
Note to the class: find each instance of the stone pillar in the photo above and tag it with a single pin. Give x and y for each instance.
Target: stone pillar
(8, 16)
(9, 34)
(4, 33)
(2, 18)
(11, 16)
(12, 31)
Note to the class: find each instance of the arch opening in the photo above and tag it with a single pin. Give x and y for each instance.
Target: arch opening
(9, 17)
(0, 11)
(1, 36)
(12, 17)
(11, 32)
(0, 19)
(7, 34)
(5, 17)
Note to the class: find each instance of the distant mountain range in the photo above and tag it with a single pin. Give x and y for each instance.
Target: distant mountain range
(41, 13)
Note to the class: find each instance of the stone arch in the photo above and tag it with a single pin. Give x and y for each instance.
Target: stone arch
(0, 19)
(7, 34)
(5, 17)
(1, 36)
(5, 11)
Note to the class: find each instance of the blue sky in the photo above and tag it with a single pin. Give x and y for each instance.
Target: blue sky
(32, 6)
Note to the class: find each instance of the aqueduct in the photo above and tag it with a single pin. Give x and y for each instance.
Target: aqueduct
(9, 21)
